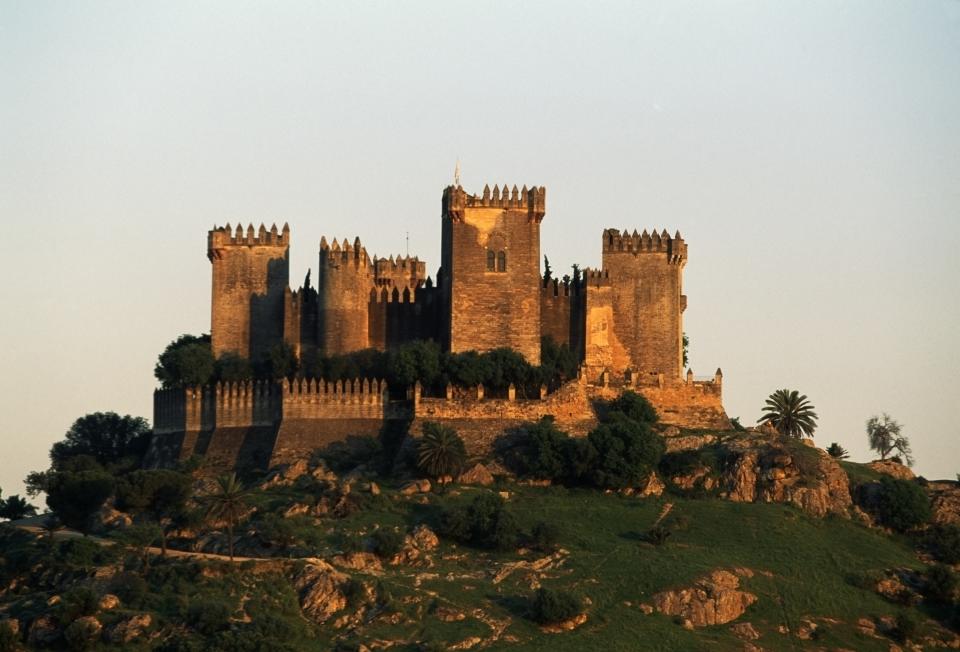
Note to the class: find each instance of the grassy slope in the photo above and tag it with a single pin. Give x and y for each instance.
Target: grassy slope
(810, 561)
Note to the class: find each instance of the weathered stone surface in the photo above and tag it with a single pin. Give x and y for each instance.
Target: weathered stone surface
(320, 586)
(566, 625)
(84, 628)
(476, 474)
(287, 474)
(745, 631)
(652, 486)
(714, 599)
(421, 486)
(700, 475)
(365, 562)
(127, 630)
(43, 631)
(945, 501)
(891, 468)
(688, 442)
(109, 601)
(765, 471)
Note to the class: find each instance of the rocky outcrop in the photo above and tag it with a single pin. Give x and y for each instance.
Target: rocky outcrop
(130, 629)
(761, 470)
(477, 474)
(652, 486)
(945, 501)
(678, 443)
(421, 486)
(891, 468)
(320, 587)
(714, 599)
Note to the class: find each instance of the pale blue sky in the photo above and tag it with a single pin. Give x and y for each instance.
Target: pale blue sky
(809, 152)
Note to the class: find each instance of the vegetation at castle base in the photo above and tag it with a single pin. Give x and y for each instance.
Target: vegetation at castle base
(441, 451)
(110, 439)
(790, 413)
(620, 452)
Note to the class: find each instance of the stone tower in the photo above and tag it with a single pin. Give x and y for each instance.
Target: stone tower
(250, 275)
(344, 283)
(490, 269)
(642, 280)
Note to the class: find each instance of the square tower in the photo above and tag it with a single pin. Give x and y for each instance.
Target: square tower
(490, 269)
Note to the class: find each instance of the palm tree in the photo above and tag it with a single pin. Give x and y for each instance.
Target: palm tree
(837, 451)
(790, 413)
(440, 451)
(228, 504)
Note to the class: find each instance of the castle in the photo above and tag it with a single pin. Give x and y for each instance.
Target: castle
(624, 321)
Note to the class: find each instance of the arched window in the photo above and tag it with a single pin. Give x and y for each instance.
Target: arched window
(501, 261)
(491, 260)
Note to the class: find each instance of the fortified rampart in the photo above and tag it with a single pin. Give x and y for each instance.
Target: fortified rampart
(623, 321)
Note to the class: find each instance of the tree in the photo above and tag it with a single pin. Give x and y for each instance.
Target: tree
(159, 494)
(543, 452)
(837, 452)
(626, 451)
(75, 496)
(790, 413)
(440, 451)
(900, 504)
(633, 406)
(14, 508)
(686, 350)
(106, 437)
(281, 362)
(186, 362)
(547, 271)
(228, 504)
(232, 367)
(884, 436)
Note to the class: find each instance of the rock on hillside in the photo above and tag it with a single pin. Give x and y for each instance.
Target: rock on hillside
(321, 590)
(945, 501)
(761, 469)
(714, 599)
(891, 468)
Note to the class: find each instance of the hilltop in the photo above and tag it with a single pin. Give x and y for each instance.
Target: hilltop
(738, 541)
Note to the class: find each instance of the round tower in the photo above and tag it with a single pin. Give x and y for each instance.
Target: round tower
(343, 291)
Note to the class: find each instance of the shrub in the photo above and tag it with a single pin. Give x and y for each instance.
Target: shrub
(657, 535)
(943, 541)
(544, 537)
(441, 451)
(387, 542)
(186, 361)
(550, 607)
(208, 615)
(82, 634)
(634, 406)
(905, 627)
(84, 553)
(626, 452)
(837, 452)
(78, 602)
(544, 451)
(9, 639)
(130, 588)
(940, 583)
(900, 504)
(485, 523)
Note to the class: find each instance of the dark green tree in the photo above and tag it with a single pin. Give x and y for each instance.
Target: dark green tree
(626, 451)
(633, 406)
(159, 494)
(232, 367)
(543, 454)
(75, 496)
(790, 413)
(900, 504)
(14, 508)
(186, 362)
(281, 362)
(228, 503)
(686, 350)
(547, 271)
(837, 452)
(106, 437)
(440, 451)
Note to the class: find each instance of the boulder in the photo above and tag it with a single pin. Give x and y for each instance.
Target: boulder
(652, 486)
(43, 632)
(688, 442)
(566, 625)
(424, 538)
(477, 474)
(127, 630)
(108, 517)
(699, 475)
(10, 625)
(374, 489)
(320, 587)
(82, 632)
(365, 562)
(765, 471)
(891, 468)
(714, 599)
(109, 601)
(745, 631)
(421, 486)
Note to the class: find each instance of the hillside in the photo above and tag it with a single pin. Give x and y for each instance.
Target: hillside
(318, 576)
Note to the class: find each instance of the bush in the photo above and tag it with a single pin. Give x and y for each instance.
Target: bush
(905, 627)
(130, 588)
(84, 553)
(208, 615)
(387, 542)
(626, 452)
(657, 535)
(544, 452)
(900, 504)
(78, 602)
(551, 607)
(633, 406)
(9, 639)
(943, 542)
(485, 523)
(440, 451)
(82, 634)
(940, 583)
(544, 537)
(187, 361)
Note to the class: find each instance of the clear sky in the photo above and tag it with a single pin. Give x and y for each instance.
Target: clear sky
(809, 153)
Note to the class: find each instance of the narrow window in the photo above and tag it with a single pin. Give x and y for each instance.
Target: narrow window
(491, 261)
(501, 261)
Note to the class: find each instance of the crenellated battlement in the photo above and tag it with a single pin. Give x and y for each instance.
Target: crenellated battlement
(596, 277)
(338, 254)
(615, 241)
(359, 390)
(532, 200)
(565, 287)
(219, 238)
